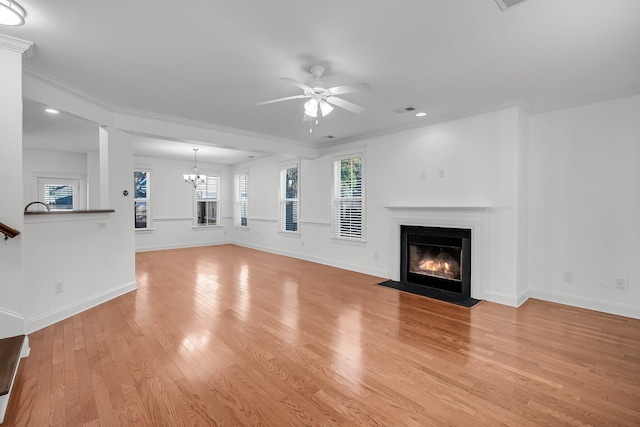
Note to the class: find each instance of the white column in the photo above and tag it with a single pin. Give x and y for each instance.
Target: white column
(12, 282)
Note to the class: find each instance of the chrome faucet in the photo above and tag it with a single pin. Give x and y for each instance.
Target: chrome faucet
(34, 203)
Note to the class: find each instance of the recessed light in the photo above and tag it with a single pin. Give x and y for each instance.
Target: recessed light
(421, 114)
(51, 111)
(11, 13)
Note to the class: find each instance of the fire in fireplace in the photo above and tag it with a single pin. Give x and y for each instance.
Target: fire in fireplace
(436, 261)
(436, 257)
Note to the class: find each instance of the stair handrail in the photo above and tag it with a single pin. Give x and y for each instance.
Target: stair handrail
(8, 231)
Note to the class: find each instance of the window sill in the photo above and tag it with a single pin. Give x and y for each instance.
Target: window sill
(242, 227)
(207, 227)
(290, 233)
(145, 230)
(345, 241)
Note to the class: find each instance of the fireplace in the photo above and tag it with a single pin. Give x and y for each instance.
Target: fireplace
(436, 258)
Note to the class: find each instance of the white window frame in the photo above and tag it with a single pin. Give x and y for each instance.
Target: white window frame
(283, 200)
(146, 199)
(241, 201)
(216, 201)
(340, 200)
(77, 183)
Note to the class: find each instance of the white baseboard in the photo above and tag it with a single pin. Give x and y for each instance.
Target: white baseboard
(507, 299)
(588, 303)
(351, 267)
(501, 298)
(523, 297)
(180, 246)
(47, 319)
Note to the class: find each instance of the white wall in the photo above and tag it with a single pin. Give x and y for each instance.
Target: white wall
(95, 264)
(479, 157)
(584, 205)
(52, 164)
(172, 206)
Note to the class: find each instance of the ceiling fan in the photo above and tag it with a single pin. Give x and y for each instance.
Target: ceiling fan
(322, 99)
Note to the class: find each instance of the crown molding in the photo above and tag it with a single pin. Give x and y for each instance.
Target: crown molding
(207, 126)
(13, 44)
(115, 109)
(521, 103)
(63, 86)
(627, 93)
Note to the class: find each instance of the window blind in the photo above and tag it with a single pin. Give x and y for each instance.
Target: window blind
(289, 202)
(348, 201)
(208, 189)
(141, 199)
(242, 199)
(58, 197)
(206, 211)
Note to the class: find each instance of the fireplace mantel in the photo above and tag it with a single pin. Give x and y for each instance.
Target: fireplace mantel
(475, 218)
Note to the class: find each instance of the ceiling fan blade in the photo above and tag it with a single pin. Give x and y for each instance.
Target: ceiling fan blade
(296, 83)
(306, 117)
(356, 87)
(349, 106)
(281, 99)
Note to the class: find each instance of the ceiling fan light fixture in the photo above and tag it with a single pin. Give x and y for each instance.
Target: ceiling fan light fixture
(311, 108)
(11, 13)
(325, 108)
(321, 99)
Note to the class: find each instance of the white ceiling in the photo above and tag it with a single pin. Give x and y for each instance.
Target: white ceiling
(69, 133)
(211, 61)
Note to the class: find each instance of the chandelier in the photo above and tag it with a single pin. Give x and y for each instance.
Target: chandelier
(193, 178)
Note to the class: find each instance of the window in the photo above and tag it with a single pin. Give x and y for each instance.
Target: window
(348, 197)
(289, 203)
(141, 199)
(207, 197)
(242, 199)
(61, 194)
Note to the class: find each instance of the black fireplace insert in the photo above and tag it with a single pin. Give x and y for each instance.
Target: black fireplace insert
(437, 258)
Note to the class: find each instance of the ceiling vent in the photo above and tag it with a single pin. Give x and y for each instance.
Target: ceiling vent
(326, 137)
(404, 110)
(506, 4)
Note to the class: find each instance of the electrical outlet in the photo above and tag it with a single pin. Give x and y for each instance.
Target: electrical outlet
(567, 276)
(441, 173)
(102, 225)
(59, 287)
(423, 175)
(617, 279)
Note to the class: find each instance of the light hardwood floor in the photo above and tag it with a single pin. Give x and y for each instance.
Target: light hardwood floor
(231, 336)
